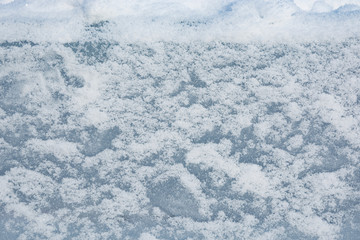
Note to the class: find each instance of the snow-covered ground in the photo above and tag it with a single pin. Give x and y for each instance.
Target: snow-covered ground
(169, 119)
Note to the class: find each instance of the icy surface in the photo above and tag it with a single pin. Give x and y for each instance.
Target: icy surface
(179, 119)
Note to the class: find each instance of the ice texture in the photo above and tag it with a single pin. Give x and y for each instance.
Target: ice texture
(179, 119)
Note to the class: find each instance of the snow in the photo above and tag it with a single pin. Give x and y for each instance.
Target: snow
(169, 119)
(324, 6)
(40, 20)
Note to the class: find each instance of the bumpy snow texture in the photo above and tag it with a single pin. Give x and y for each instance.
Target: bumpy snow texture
(179, 119)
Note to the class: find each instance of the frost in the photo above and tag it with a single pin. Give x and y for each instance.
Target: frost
(200, 120)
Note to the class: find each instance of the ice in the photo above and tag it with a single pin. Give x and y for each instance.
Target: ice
(179, 119)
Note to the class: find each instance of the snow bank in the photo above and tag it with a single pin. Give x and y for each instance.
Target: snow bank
(180, 20)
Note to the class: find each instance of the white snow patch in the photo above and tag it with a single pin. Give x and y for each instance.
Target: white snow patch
(323, 5)
(249, 177)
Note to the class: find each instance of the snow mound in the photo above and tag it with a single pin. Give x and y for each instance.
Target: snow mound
(187, 20)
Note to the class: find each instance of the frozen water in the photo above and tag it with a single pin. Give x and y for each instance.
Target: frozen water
(179, 119)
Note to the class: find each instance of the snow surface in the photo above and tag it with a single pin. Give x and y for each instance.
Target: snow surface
(179, 119)
(175, 20)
